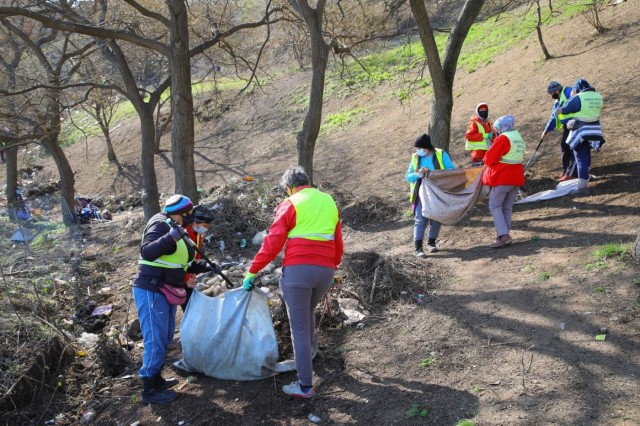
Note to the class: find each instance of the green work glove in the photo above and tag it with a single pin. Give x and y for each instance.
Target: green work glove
(247, 283)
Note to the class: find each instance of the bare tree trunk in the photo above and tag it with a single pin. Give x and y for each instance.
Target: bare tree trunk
(443, 74)
(306, 138)
(547, 56)
(11, 155)
(150, 195)
(111, 153)
(67, 180)
(182, 130)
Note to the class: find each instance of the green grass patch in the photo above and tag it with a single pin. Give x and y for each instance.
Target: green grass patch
(544, 276)
(340, 119)
(427, 362)
(465, 422)
(486, 40)
(476, 389)
(598, 289)
(611, 250)
(416, 411)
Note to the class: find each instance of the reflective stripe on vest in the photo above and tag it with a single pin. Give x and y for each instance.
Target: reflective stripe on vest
(176, 260)
(516, 153)
(414, 163)
(590, 107)
(481, 145)
(561, 102)
(316, 215)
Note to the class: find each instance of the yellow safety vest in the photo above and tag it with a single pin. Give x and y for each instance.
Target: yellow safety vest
(415, 160)
(590, 107)
(516, 153)
(316, 215)
(483, 145)
(176, 260)
(561, 102)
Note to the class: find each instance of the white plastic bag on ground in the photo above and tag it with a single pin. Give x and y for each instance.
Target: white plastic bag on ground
(230, 337)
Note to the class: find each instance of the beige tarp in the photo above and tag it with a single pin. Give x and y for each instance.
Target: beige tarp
(448, 195)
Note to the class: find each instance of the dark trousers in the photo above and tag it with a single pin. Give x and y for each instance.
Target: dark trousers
(583, 159)
(566, 156)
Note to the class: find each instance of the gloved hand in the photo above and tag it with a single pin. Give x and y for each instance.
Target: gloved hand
(420, 175)
(177, 232)
(214, 267)
(247, 283)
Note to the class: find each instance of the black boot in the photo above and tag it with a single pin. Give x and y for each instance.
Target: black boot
(162, 383)
(419, 251)
(151, 394)
(431, 245)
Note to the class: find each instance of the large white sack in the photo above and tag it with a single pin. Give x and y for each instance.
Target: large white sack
(230, 337)
(448, 195)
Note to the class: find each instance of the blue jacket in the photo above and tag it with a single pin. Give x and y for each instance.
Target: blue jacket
(156, 242)
(411, 176)
(551, 124)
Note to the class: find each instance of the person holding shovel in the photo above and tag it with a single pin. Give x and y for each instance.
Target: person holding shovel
(561, 94)
(165, 258)
(425, 159)
(308, 225)
(504, 173)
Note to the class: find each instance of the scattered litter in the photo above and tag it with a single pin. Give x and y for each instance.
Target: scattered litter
(135, 423)
(87, 417)
(360, 326)
(81, 353)
(88, 340)
(561, 326)
(102, 310)
(258, 238)
(191, 379)
(104, 290)
(403, 292)
(315, 419)
(243, 243)
(50, 422)
(601, 337)
(181, 422)
(22, 234)
(350, 308)
(495, 383)
(158, 419)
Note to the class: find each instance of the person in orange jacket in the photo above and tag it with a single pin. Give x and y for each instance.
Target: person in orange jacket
(504, 173)
(479, 134)
(202, 218)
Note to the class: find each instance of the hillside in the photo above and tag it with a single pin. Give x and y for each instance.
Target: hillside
(501, 337)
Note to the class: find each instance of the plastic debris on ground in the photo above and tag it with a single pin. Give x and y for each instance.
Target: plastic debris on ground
(350, 308)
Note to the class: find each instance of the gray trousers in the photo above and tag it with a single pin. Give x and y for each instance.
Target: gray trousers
(501, 201)
(303, 286)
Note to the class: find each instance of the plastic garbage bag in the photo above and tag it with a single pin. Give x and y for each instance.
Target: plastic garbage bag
(230, 337)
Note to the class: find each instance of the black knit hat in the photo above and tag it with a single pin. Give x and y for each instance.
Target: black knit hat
(424, 142)
(178, 204)
(554, 87)
(201, 214)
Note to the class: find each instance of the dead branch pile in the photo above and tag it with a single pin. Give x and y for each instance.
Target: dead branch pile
(376, 280)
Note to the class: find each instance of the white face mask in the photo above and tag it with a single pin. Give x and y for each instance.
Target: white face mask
(421, 152)
(199, 229)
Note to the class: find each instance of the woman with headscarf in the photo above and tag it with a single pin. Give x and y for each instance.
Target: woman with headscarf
(504, 173)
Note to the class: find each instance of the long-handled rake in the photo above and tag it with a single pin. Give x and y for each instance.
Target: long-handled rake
(521, 193)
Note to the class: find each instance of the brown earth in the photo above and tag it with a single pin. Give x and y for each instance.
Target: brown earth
(511, 331)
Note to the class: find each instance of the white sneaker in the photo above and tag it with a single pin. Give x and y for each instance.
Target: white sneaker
(294, 389)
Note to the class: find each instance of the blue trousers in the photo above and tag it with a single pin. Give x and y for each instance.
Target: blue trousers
(421, 223)
(303, 286)
(158, 323)
(582, 153)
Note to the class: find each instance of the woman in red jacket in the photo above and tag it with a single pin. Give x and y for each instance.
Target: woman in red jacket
(504, 173)
(307, 224)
